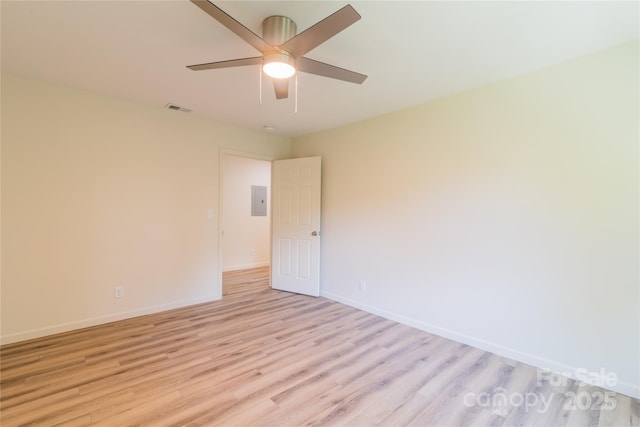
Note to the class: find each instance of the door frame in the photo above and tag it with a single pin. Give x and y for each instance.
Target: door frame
(249, 155)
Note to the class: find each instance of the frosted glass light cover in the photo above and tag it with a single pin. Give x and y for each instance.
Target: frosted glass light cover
(279, 70)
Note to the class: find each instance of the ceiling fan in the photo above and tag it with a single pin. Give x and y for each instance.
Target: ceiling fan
(282, 49)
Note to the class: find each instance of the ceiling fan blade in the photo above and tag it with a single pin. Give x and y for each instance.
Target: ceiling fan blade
(240, 30)
(321, 69)
(321, 32)
(226, 64)
(282, 88)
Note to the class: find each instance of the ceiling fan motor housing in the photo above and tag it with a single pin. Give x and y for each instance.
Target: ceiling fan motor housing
(278, 29)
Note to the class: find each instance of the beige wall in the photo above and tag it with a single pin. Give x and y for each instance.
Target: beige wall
(505, 217)
(98, 193)
(247, 239)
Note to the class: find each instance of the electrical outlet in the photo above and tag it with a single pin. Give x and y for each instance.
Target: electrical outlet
(363, 286)
(252, 252)
(118, 292)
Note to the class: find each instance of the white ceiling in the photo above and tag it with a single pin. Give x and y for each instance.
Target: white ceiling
(412, 52)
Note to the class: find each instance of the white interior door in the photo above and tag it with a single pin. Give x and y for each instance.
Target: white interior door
(295, 254)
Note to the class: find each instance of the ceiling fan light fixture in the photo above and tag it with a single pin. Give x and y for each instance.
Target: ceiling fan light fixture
(279, 65)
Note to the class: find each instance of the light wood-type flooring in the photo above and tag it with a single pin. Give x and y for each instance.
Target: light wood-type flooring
(261, 357)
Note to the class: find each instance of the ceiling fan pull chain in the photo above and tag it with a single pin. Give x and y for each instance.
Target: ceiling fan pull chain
(295, 110)
(260, 86)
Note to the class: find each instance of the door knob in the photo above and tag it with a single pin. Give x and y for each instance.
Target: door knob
(315, 233)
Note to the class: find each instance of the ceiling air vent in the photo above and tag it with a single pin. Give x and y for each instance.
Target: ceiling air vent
(177, 108)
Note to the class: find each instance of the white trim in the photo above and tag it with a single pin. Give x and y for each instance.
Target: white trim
(248, 154)
(95, 321)
(623, 387)
(247, 266)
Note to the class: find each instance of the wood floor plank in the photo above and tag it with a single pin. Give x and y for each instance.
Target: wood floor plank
(260, 357)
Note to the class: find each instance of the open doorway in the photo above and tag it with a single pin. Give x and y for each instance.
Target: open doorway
(246, 221)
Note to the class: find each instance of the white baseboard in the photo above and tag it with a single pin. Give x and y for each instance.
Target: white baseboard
(246, 266)
(70, 326)
(623, 387)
